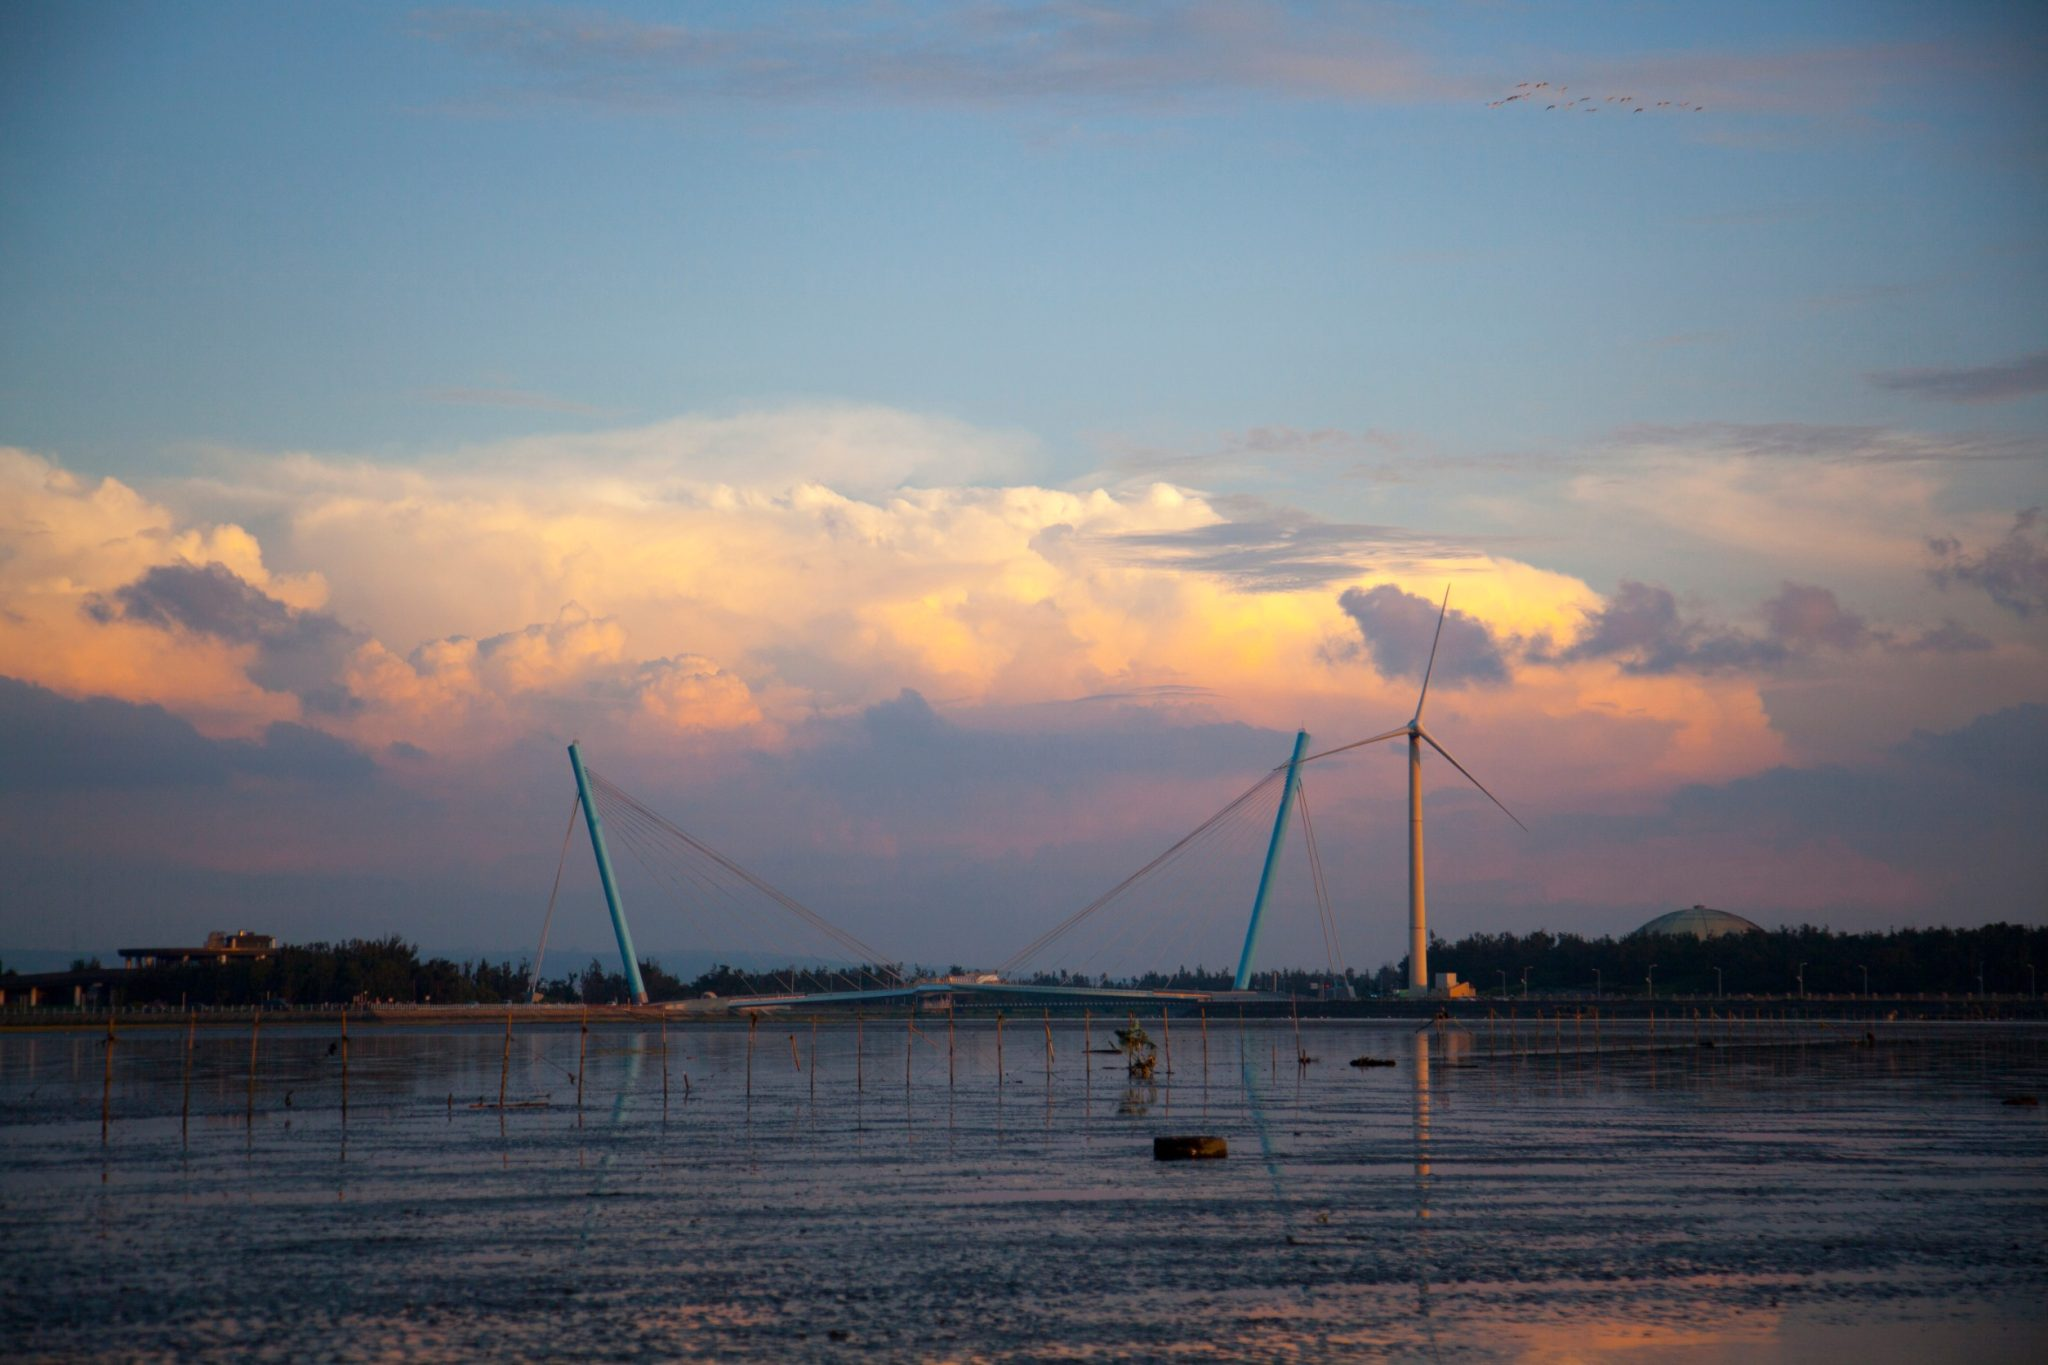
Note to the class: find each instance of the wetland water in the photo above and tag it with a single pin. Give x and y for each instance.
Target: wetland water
(1787, 1194)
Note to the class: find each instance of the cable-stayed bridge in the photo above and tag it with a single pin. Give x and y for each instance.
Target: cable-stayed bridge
(1159, 907)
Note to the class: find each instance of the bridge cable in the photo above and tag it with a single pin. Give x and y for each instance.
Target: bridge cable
(1038, 945)
(665, 833)
(862, 951)
(1332, 950)
(1242, 832)
(533, 979)
(663, 863)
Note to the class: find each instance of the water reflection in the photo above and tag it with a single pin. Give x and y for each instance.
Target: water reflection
(1543, 1201)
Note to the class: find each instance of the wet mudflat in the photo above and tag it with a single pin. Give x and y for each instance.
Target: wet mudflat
(1786, 1194)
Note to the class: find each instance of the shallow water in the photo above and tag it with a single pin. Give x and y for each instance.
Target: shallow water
(1786, 1194)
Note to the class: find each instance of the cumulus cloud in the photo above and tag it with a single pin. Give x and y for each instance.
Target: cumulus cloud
(1999, 383)
(689, 692)
(1643, 627)
(56, 743)
(2013, 572)
(1398, 629)
(845, 678)
(302, 652)
(1803, 616)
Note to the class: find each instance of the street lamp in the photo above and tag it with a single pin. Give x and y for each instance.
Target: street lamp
(1525, 982)
(1503, 982)
(1717, 983)
(1980, 984)
(1801, 974)
(1648, 988)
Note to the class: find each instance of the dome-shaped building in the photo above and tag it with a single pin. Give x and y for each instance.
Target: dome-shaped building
(1698, 922)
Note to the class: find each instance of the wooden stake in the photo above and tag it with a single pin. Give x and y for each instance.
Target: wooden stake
(753, 1022)
(909, 1045)
(107, 1081)
(1205, 1046)
(999, 1051)
(1166, 1037)
(1048, 1049)
(814, 1057)
(664, 1063)
(185, 1115)
(255, 1032)
(949, 1047)
(859, 1052)
(582, 1051)
(344, 1064)
(795, 1062)
(505, 1061)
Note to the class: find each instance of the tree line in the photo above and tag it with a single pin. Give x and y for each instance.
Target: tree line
(1998, 959)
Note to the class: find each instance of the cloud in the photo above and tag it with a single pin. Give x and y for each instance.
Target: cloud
(2000, 383)
(1834, 443)
(1050, 53)
(1936, 798)
(1260, 548)
(301, 652)
(1089, 671)
(2014, 572)
(1398, 629)
(1805, 617)
(857, 449)
(960, 57)
(1925, 831)
(1949, 637)
(59, 743)
(1642, 626)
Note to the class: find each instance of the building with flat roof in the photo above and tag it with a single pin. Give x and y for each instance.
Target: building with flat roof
(220, 946)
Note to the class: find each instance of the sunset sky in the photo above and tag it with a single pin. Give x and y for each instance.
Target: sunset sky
(939, 454)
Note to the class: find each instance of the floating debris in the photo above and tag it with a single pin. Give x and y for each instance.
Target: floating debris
(1372, 1061)
(1189, 1149)
(2021, 1101)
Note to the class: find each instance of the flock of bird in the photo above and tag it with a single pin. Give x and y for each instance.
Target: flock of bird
(1587, 104)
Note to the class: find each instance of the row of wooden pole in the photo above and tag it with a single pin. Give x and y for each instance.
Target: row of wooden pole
(753, 1023)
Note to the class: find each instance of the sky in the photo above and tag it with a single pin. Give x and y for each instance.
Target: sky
(939, 455)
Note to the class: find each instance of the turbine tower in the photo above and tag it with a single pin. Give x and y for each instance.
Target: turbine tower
(1418, 920)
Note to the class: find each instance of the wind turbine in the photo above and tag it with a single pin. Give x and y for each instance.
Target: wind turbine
(1418, 926)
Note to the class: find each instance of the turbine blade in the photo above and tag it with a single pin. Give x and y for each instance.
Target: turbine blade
(1434, 641)
(1473, 780)
(1354, 744)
